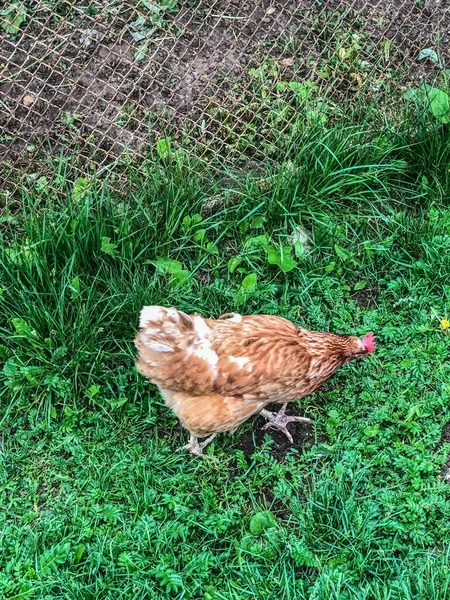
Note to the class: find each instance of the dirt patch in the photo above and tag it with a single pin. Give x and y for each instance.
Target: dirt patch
(302, 434)
(89, 80)
(366, 298)
(103, 84)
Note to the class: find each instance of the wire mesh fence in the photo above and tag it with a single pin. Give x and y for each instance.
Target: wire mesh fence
(101, 82)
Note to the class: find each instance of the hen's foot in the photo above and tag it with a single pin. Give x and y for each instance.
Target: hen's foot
(195, 447)
(279, 420)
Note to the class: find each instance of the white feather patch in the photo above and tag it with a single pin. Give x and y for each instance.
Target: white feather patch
(158, 347)
(200, 326)
(150, 314)
(239, 360)
(236, 318)
(202, 345)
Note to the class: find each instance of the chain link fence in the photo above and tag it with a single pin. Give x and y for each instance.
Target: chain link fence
(105, 82)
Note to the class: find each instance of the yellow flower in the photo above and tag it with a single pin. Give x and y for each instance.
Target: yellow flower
(445, 324)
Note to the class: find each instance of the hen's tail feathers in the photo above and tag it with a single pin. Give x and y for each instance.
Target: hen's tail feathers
(165, 329)
(158, 314)
(174, 350)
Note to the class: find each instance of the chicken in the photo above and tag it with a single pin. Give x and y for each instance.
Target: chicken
(216, 374)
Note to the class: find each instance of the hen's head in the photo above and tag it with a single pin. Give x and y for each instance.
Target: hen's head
(360, 347)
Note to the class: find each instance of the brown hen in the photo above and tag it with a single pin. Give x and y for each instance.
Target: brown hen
(215, 374)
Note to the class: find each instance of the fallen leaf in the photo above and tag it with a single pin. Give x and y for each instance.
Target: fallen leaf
(430, 54)
(263, 184)
(90, 35)
(270, 10)
(302, 236)
(28, 100)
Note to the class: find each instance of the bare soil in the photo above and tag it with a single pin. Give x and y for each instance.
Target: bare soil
(302, 434)
(366, 298)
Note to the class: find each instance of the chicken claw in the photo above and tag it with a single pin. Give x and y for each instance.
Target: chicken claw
(280, 420)
(194, 447)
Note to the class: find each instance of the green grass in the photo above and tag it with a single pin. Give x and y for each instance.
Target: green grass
(96, 504)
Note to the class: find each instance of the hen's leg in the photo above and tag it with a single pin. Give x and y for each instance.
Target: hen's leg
(280, 420)
(195, 447)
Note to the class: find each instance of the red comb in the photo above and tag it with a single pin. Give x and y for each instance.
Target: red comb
(369, 342)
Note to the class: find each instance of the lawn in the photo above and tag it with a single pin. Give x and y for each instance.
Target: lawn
(351, 234)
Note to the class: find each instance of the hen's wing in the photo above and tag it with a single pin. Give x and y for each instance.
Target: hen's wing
(263, 357)
(259, 357)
